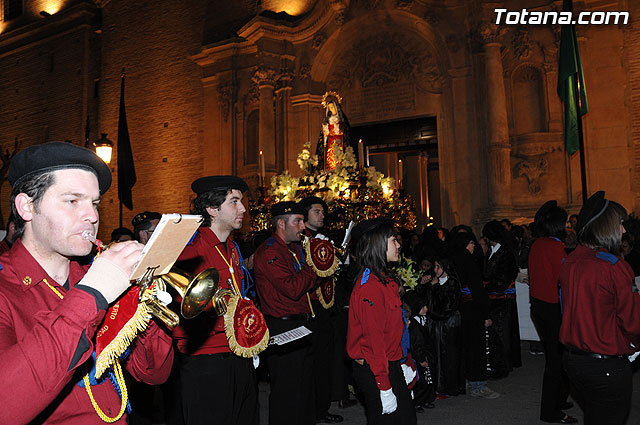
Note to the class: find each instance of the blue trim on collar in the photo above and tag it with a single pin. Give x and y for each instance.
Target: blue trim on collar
(607, 256)
(365, 276)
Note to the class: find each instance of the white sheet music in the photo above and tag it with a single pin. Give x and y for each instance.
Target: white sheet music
(292, 335)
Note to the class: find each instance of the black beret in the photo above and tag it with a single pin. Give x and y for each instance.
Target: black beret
(592, 209)
(286, 207)
(306, 203)
(144, 217)
(54, 156)
(205, 184)
(366, 226)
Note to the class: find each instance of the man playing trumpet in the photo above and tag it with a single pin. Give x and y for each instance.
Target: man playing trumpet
(51, 307)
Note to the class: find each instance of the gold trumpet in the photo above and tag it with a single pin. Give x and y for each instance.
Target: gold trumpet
(196, 292)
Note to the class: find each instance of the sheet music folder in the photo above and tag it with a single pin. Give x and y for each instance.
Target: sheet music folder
(166, 243)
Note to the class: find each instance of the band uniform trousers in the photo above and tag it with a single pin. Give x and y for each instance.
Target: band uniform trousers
(555, 383)
(323, 341)
(291, 401)
(604, 385)
(405, 414)
(206, 382)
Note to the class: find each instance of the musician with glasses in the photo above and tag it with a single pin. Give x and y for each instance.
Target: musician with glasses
(218, 379)
(51, 307)
(144, 224)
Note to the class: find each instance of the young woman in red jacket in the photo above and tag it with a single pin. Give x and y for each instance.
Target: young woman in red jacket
(376, 326)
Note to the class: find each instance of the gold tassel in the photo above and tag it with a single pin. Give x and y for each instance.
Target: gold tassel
(323, 303)
(137, 324)
(236, 348)
(321, 273)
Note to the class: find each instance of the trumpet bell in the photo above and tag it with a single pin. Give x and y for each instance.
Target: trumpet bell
(196, 292)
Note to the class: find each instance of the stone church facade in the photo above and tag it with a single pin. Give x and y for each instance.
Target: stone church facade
(210, 84)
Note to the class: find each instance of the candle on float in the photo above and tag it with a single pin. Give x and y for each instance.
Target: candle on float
(261, 169)
(400, 174)
(360, 153)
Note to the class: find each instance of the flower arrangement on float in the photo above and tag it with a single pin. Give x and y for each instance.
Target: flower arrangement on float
(352, 192)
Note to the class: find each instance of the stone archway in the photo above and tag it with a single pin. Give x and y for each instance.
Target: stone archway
(390, 65)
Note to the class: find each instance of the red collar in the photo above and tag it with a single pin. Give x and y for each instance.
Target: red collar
(29, 273)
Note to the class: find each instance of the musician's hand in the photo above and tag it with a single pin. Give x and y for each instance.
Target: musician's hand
(110, 271)
(124, 255)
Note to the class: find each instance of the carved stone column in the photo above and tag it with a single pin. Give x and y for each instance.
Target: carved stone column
(265, 78)
(499, 166)
(283, 95)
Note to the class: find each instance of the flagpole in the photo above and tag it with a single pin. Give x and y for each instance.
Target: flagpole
(583, 166)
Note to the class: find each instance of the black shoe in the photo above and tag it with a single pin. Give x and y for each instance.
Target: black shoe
(346, 403)
(566, 405)
(419, 409)
(428, 405)
(566, 420)
(330, 419)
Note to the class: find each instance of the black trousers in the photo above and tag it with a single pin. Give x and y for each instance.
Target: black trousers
(473, 342)
(555, 382)
(500, 337)
(405, 414)
(219, 388)
(604, 385)
(323, 341)
(291, 401)
(341, 363)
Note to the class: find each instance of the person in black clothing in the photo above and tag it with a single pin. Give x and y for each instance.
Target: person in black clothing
(422, 351)
(499, 275)
(445, 329)
(474, 312)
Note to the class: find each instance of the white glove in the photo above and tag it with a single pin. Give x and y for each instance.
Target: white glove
(321, 236)
(106, 277)
(389, 402)
(409, 374)
(256, 361)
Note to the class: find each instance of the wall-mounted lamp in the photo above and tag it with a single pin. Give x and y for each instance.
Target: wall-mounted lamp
(45, 14)
(104, 147)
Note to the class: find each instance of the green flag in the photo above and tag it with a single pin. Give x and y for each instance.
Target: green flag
(570, 75)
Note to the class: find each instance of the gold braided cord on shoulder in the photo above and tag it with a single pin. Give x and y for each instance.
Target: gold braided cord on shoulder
(119, 378)
(125, 395)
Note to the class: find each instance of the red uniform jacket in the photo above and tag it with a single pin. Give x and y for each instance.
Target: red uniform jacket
(282, 278)
(545, 258)
(45, 341)
(204, 334)
(600, 313)
(375, 325)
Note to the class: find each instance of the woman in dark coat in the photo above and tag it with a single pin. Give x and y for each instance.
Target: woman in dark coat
(474, 312)
(500, 273)
(445, 326)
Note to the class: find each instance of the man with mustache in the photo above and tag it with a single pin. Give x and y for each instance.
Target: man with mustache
(217, 384)
(283, 279)
(51, 307)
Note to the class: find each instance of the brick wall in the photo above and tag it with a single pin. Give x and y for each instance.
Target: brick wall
(153, 41)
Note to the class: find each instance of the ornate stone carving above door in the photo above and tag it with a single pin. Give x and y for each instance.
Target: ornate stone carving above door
(386, 58)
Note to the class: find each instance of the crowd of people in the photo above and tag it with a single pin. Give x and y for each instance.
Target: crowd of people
(398, 346)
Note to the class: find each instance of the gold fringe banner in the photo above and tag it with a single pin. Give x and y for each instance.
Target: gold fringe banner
(230, 331)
